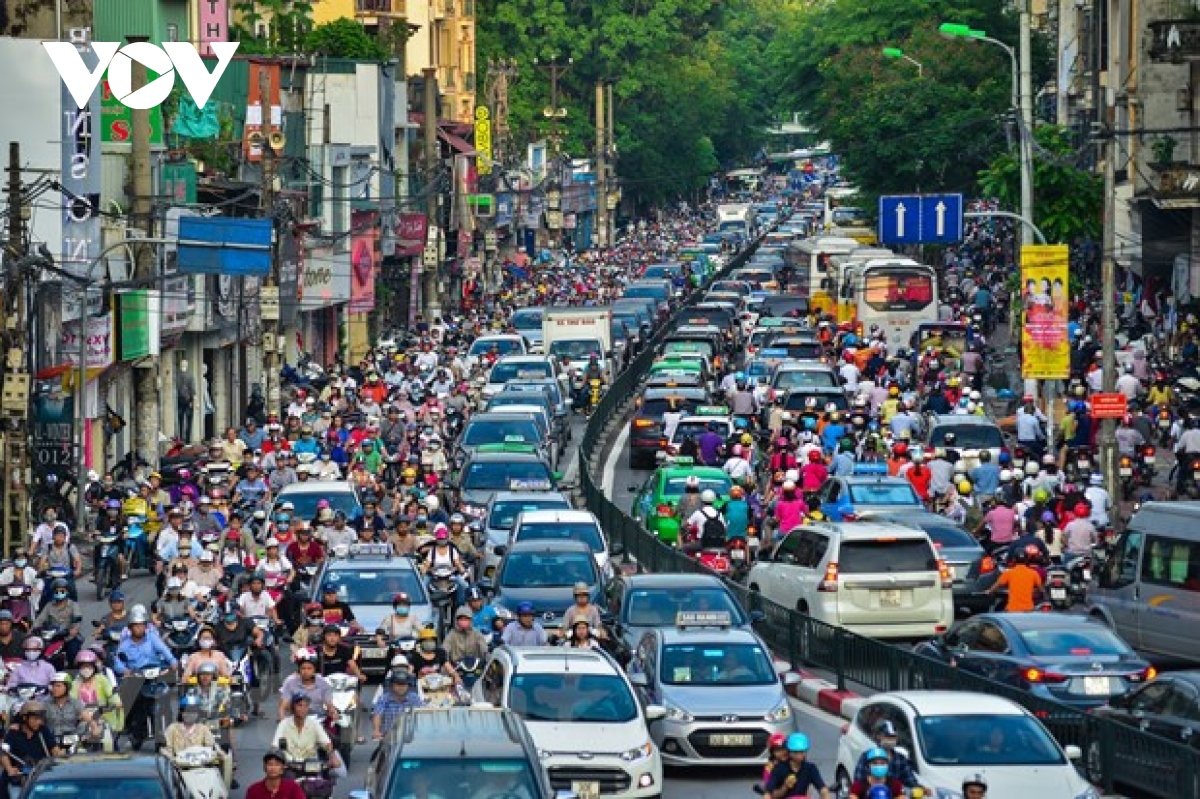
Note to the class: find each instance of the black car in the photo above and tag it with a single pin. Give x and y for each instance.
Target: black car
(643, 602)
(113, 776)
(646, 434)
(544, 574)
(1070, 659)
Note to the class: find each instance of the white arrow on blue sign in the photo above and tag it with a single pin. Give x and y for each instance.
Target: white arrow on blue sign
(941, 218)
(900, 219)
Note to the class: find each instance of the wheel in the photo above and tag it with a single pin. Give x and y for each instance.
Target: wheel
(1092, 763)
(102, 578)
(842, 781)
(264, 674)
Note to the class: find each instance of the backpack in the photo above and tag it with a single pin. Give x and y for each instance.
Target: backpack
(713, 530)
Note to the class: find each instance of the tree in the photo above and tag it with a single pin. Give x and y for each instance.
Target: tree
(287, 23)
(1068, 200)
(345, 38)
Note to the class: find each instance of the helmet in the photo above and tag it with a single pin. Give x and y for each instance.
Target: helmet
(458, 518)
(1048, 516)
(1082, 510)
(473, 593)
(885, 729)
(789, 485)
(1031, 469)
(797, 742)
(62, 677)
(737, 492)
(747, 439)
(524, 608)
(86, 656)
(34, 642)
(692, 482)
(964, 487)
(112, 504)
(441, 533)
(879, 792)
(900, 449)
(427, 634)
(32, 708)
(814, 456)
(305, 655)
(1005, 459)
(189, 702)
(777, 741)
(708, 496)
(975, 781)
(60, 584)
(877, 753)
(400, 598)
(138, 615)
(1006, 475)
(1041, 496)
(208, 668)
(917, 456)
(1096, 479)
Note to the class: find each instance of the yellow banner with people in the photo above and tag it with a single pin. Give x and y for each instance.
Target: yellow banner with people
(1045, 303)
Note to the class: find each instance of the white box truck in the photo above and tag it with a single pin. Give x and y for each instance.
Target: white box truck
(576, 334)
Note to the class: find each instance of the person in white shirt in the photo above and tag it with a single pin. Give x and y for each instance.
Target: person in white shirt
(738, 466)
(255, 601)
(850, 374)
(1099, 500)
(1129, 385)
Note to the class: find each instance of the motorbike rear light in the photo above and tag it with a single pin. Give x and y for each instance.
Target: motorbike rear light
(641, 424)
(1035, 675)
(1148, 451)
(1126, 461)
(830, 582)
(1145, 675)
(987, 565)
(946, 573)
(664, 510)
(849, 517)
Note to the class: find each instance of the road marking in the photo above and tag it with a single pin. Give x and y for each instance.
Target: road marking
(610, 463)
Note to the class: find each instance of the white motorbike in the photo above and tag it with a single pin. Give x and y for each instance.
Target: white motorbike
(344, 698)
(438, 690)
(202, 771)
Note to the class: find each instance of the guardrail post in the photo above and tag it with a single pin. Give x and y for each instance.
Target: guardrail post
(839, 657)
(794, 639)
(1107, 761)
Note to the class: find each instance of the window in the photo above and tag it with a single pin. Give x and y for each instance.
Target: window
(1152, 699)
(788, 548)
(1184, 702)
(813, 547)
(989, 638)
(716, 664)
(452, 776)
(546, 569)
(493, 682)
(886, 557)
(366, 587)
(1172, 562)
(884, 494)
(573, 698)
(978, 740)
(968, 436)
(1121, 568)
(898, 289)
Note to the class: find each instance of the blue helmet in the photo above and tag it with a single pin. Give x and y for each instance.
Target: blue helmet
(877, 753)
(797, 742)
(524, 607)
(1005, 459)
(189, 702)
(739, 377)
(879, 792)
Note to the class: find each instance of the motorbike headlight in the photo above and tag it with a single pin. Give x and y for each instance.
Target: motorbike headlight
(675, 713)
(782, 712)
(641, 753)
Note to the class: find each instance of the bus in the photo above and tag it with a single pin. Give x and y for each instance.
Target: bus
(844, 218)
(896, 294)
(744, 182)
(810, 260)
(839, 266)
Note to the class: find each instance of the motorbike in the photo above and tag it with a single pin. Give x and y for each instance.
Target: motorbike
(1058, 590)
(1189, 481)
(739, 558)
(55, 639)
(147, 718)
(137, 545)
(98, 735)
(442, 589)
(1125, 473)
(17, 599)
(1078, 463)
(68, 742)
(1079, 571)
(438, 690)
(715, 559)
(16, 695)
(1144, 464)
(201, 769)
(108, 573)
(110, 639)
(1163, 423)
(469, 669)
(344, 698)
(312, 774)
(179, 633)
(595, 391)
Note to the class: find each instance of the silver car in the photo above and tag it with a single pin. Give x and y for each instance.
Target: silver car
(723, 693)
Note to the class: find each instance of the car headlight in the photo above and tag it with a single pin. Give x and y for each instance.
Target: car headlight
(1090, 793)
(782, 712)
(641, 753)
(677, 714)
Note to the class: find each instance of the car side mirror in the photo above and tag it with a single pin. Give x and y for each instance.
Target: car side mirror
(782, 667)
(655, 712)
(791, 678)
(639, 680)
(1073, 752)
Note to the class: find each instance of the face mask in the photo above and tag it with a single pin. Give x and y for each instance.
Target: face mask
(20, 563)
(401, 610)
(32, 654)
(879, 770)
(60, 595)
(464, 624)
(428, 646)
(190, 718)
(86, 672)
(207, 643)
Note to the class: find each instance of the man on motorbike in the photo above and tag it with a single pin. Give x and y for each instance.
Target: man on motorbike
(584, 610)
(306, 681)
(26, 744)
(397, 697)
(61, 554)
(399, 623)
(252, 489)
(61, 613)
(334, 611)
(189, 732)
(140, 650)
(173, 604)
(302, 736)
(464, 641)
(443, 554)
(482, 615)
(215, 699)
(336, 657)
(429, 657)
(63, 711)
(206, 574)
(33, 670)
(254, 601)
(110, 524)
(20, 572)
(12, 638)
(527, 631)
(236, 634)
(899, 766)
(593, 371)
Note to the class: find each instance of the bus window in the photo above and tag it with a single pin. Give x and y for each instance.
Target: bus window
(898, 290)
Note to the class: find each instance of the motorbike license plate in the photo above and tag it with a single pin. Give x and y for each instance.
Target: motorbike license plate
(1148, 459)
(728, 739)
(373, 652)
(1126, 471)
(1087, 575)
(1196, 474)
(738, 554)
(891, 598)
(753, 542)
(1096, 686)
(1164, 423)
(1058, 592)
(16, 591)
(585, 790)
(1082, 463)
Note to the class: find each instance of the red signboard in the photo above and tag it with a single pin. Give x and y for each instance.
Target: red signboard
(410, 234)
(1109, 406)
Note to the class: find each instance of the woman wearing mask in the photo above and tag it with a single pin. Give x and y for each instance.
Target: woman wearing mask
(93, 689)
(399, 624)
(207, 653)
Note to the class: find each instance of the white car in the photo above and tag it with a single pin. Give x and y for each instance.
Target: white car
(584, 716)
(504, 344)
(518, 367)
(950, 736)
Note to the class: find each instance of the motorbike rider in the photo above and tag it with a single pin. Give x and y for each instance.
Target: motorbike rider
(117, 617)
(442, 553)
(61, 613)
(1187, 449)
(1098, 500)
(975, 787)
(460, 536)
(336, 657)
(93, 689)
(33, 670)
(173, 604)
(1023, 583)
(334, 611)
(878, 773)
(399, 623)
(236, 634)
(482, 615)
(26, 744)
(12, 638)
(19, 572)
(796, 775)
(394, 700)
(207, 654)
(254, 601)
(63, 711)
(274, 785)
(527, 631)
(708, 524)
(215, 700)
(190, 732)
(111, 523)
(302, 736)
(593, 371)
(464, 641)
(585, 610)
(428, 657)
(307, 682)
(140, 650)
(206, 574)
(63, 555)
(899, 766)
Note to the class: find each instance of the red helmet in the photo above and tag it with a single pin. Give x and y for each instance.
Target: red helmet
(1082, 510)
(814, 456)
(777, 741)
(848, 357)
(900, 449)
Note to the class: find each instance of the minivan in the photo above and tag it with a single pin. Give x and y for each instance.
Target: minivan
(1148, 588)
(661, 291)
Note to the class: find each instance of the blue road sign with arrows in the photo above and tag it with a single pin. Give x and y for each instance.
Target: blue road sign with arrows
(900, 219)
(920, 218)
(941, 218)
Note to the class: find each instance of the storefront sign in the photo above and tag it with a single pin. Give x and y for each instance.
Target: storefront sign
(483, 140)
(324, 278)
(81, 182)
(364, 260)
(214, 24)
(98, 344)
(411, 231)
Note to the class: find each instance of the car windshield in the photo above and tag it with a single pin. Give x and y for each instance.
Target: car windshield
(676, 486)
(368, 585)
(787, 379)
(527, 319)
(505, 346)
(945, 535)
(572, 697)
(586, 532)
(503, 372)
(656, 407)
(883, 494)
(798, 350)
(798, 400)
(576, 349)
(509, 431)
(463, 776)
(986, 741)
(687, 347)
(527, 398)
(547, 569)
(306, 503)
(504, 514)
(660, 607)
(662, 272)
(884, 556)
(968, 436)
(645, 291)
(716, 664)
(686, 430)
(100, 788)
(1077, 640)
(496, 475)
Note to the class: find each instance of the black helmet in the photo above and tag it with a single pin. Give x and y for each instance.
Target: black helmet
(60, 583)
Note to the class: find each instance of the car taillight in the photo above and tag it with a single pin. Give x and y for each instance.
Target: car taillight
(849, 517)
(642, 423)
(830, 582)
(1033, 675)
(987, 565)
(664, 444)
(1146, 675)
(946, 573)
(665, 510)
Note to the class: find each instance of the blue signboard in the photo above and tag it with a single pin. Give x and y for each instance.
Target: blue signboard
(941, 218)
(220, 245)
(900, 219)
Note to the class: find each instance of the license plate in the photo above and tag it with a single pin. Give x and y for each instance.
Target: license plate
(890, 598)
(737, 554)
(753, 542)
(1082, 464)
(1058, 593)
(586, 790)
(726, 739)
(1164, 423)
(1126, 471)
(1096, 686)
(1087, 575)
(1148, 459)
(373, 652)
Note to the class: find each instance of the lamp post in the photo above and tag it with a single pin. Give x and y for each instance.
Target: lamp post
(897, 53)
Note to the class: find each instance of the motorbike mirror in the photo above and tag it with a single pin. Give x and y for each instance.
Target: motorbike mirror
(617, 549)
(96, 623)
(500, 550)
(76, 619)
(282, 744)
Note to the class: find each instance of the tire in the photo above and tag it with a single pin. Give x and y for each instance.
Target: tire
(1091, 763)
(265, 673)
(102, 579)
(842, 782)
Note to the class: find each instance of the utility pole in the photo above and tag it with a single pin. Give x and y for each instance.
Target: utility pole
(269, 303)
(610, 180)
(1108, 323)
(145, 377)
(499, 74)
(601, 169)
(14, 425)
(1026, 100)
(554, 112)
(431, 304)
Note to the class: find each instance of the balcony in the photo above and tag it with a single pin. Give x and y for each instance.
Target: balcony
(1178, 186)
(379, 8)
(1175, 40)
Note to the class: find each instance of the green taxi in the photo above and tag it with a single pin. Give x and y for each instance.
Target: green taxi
(654, 505)
(678, 365)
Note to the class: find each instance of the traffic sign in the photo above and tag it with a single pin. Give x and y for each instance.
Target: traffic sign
(900, 219)
(1109, 406)
(941, 218)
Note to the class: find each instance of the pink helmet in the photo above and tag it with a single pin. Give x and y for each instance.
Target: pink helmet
(441, 533)
(324, 503)
(86, 656)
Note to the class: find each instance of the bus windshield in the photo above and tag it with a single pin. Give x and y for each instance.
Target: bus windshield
(897, 289)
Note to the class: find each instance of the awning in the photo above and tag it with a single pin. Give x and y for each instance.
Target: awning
(459, 144)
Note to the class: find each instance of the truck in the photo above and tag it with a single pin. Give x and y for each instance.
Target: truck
(576, 334)
(736, 218)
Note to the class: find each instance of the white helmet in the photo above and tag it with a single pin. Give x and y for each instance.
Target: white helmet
(693, 481)
(138, 615)
(708, 496)
(1006, 475)
(431, 502)
(792, 475)
(1031, 469)
(788, 485)
(174, 584)
(916, 456)
(976, 396)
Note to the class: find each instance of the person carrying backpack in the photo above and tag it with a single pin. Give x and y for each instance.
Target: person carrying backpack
(709, 524)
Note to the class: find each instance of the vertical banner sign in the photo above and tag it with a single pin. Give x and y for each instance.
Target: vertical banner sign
(1045, 349)
(411, 232)
(363, 260)
(214, 25)
(80, 135)
(483, 140)
(254, 118)
(54, 435)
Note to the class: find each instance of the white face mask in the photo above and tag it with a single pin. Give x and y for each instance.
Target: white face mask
(86, 672)
(207, 643)
(32, 654)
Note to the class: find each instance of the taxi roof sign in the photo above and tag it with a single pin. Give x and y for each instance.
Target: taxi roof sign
(507, 446)
(529, 484)
(681, 460)
(370, 551)
(712, 410)
(870, 468)
(772, 353)
(703, 618)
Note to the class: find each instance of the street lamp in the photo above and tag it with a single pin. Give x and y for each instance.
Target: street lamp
(897, 53)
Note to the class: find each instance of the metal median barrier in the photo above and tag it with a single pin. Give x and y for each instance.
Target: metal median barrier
(1113, 753)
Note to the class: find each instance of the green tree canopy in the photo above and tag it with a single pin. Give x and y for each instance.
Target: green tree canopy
(345, 38)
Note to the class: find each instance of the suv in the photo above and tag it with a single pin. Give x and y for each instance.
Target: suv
(501, 514)
(500, 467)
(567, 525)
(874, 579)
(519, 368)
(583, 715)
(972, 434)
(457, 752)
(544, 573)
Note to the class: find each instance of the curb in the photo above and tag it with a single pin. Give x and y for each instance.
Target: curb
(824, 695)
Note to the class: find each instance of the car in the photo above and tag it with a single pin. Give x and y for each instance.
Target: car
(508, 427)
(951, 736)
(792, 375)
(799, 400)
(567, 525)
(503, 467)
(868, 488)
(518, 368)
(501, 514)
(458, 751)
(528, 322)
(552, 387)
(1168, 707)
(721, 689)
(341, 495)
(871, 578)
(582, 714)
(367, 578)
(646, 437)
(654, 505)
(643, 602)
(972, 434)
(544, 573)
(127, 775)
(1067, 658)
(974, 570)
(502, 343)
(542, 402)
(801, 348)
(695, 424)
